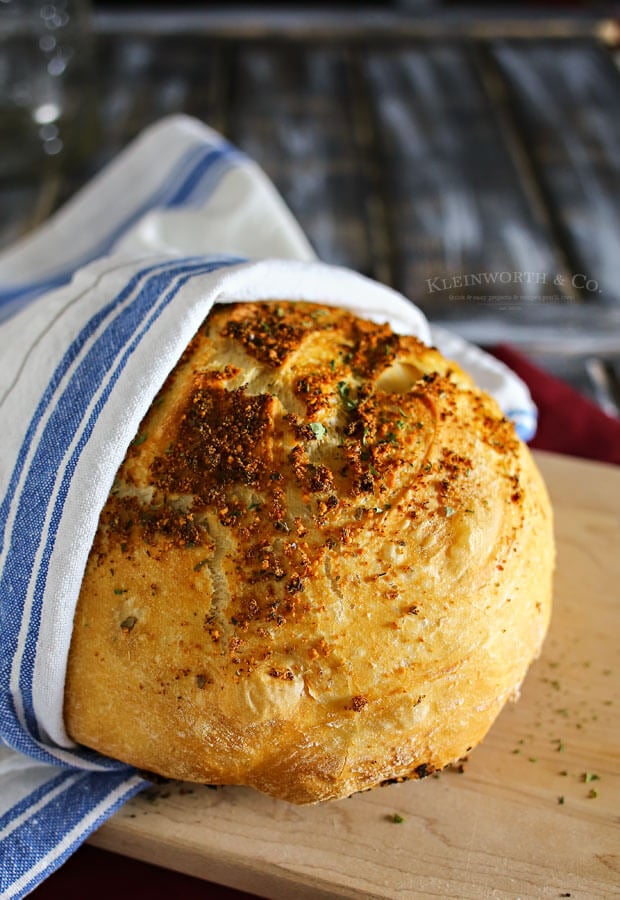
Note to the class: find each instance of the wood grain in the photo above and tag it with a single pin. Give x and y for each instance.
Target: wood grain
(456, 199)
(290, 110)
(526, 818)
(567, 108)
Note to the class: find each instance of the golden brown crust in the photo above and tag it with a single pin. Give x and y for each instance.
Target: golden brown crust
(325, 562)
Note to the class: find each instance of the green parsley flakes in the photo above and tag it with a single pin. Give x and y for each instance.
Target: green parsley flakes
(318, 430)
(344, 390)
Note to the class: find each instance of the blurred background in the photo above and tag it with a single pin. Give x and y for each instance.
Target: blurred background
(467, 155)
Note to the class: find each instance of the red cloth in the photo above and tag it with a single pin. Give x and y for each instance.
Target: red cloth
(94, 874)
(568, 422)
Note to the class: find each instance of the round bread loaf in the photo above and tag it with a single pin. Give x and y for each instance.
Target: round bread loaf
(325, 563)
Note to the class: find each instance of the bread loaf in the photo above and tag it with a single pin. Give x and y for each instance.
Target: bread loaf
(325, 563)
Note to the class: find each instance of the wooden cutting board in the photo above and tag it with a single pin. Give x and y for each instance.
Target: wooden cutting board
(535, 812)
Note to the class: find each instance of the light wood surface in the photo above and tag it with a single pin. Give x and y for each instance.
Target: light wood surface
(527, 818)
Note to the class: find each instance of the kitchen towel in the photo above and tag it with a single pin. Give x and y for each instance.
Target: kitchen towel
(568, 421)
(95, 309)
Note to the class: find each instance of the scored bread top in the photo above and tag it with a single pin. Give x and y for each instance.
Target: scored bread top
(325, 562)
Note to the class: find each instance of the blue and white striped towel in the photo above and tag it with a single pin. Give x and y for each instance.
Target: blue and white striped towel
(86, 340)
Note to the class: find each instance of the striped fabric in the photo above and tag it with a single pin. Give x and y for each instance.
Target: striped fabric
(176, 164)
(80, 366)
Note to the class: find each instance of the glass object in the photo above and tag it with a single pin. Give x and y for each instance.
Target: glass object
(45, 61)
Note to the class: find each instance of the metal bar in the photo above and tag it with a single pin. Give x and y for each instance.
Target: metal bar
(239, 23)
(605, 384)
